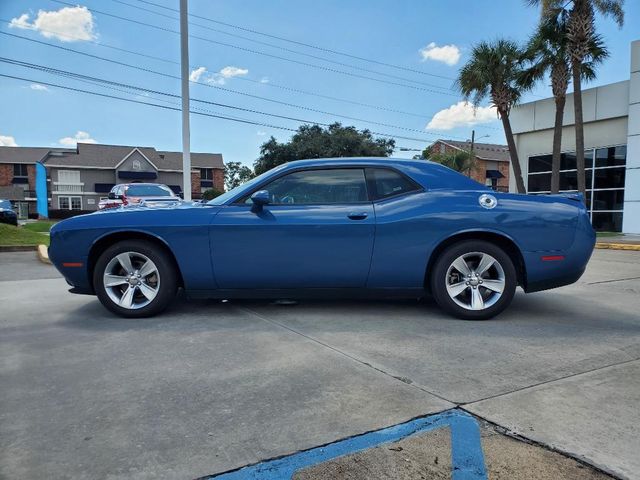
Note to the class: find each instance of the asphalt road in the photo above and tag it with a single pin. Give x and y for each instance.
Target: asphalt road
(213, 386)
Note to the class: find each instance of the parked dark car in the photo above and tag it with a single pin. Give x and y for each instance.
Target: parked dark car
(133, 193)
(7, 214)
(332, 227)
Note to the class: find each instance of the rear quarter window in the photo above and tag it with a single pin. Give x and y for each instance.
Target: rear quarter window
(386, 183)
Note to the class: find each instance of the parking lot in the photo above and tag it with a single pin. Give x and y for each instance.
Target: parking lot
(213, 386)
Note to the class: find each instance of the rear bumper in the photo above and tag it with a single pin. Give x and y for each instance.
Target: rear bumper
(546, 270)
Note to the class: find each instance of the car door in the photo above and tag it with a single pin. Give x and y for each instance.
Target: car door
(317, 231)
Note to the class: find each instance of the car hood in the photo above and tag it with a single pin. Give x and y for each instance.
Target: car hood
(136, 216)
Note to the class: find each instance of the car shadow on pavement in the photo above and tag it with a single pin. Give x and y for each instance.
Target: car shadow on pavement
(335, 315)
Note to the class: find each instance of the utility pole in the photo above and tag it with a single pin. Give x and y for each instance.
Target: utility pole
(471, 155)
(186, 135)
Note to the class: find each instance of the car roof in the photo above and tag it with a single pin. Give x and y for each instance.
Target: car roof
(347, 161)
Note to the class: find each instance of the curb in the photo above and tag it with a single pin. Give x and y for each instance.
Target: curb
(618, 246)
(18, 248)
(43, 254)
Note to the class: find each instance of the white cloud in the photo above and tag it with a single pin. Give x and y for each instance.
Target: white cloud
(69, 24)
(21, 22)
(80, 137)
(229, 72)
(195, 75)
(38, 87)
(260, 133)
(201, 74)
(449, 54)
(462, 114)
(7, 141)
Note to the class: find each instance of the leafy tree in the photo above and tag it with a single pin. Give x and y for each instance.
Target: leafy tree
(548, 53)
(581, 32)
(494, 70)
(210, 194)
(314, 141)
(235, 174)
(460, 161)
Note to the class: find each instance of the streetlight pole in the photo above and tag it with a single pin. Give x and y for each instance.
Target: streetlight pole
(186, 135)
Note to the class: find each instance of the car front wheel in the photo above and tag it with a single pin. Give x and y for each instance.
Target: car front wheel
(473, 280)
(135, 279)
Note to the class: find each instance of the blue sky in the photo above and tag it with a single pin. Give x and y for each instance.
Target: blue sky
(434, 37)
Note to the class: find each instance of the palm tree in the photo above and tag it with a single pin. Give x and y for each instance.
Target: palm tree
(460, 161)
(548, 52)
(494, 71)
(580, 33)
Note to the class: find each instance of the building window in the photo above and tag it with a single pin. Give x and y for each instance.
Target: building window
(70, 203)
(20, 170)
(604, 178)
(206, 174)
(136, 165)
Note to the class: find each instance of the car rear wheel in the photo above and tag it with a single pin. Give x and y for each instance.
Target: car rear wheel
(473, 280)
(135, 279)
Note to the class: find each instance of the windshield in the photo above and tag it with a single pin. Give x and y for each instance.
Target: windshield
(6, 204)
(149, 191)
(222, 199)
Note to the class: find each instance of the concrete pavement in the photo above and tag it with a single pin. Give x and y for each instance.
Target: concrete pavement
(210, 387)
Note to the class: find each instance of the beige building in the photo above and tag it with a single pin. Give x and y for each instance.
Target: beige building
(612, 149)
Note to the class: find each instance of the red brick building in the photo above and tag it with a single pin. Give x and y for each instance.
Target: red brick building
(492, 161)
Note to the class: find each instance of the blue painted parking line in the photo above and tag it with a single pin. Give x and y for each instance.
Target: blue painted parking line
(467, 459)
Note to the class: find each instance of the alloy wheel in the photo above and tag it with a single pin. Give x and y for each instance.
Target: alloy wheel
(131, 280)
(475, 281)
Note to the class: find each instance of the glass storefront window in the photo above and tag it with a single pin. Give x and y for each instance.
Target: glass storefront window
(607, 221)
(611, 156)
(539, 182)
(604, 178)
(540, 163)
(608, 200)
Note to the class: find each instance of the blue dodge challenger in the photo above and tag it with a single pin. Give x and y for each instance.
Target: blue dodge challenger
(332, 227)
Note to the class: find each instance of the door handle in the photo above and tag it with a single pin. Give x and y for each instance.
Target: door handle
(357, 216)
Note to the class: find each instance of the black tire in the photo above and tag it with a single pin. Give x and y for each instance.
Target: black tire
(166, 275)
(439, 277)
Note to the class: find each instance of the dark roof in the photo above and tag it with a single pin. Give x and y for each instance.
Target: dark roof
(105, 156)
(485, 151)
(23, 154)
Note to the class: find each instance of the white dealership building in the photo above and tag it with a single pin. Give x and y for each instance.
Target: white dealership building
(612, 149)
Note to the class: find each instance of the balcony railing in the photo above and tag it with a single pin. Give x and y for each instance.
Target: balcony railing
(68, 187)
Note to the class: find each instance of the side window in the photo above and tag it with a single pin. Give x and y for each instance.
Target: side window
(385, 182)
(319, 187)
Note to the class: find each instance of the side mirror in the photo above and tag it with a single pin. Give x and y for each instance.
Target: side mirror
(260, 198)
(112, 196)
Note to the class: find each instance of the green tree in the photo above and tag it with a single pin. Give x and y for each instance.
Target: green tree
(548, 53)
(494, 70)
(581, 32)
(314, 141)
(210, 194)
(235, 174)
(460, 161)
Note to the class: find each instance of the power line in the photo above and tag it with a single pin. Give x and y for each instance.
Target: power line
(234, 119)
(258, 52)
(269, 83)
(217, 86)
(69, 74)
(297, 52)
(389, 136)
(328, 50)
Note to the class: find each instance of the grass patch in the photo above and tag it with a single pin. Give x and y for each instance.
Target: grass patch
(607, 234)
(10, 235)
(42, 226)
